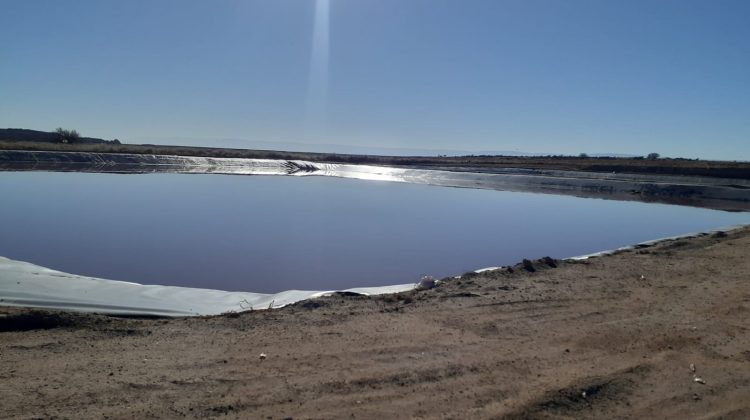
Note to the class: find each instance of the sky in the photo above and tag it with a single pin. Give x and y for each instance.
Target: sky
(552, 76)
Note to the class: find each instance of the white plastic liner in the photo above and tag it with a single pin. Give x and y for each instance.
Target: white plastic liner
(28, 285)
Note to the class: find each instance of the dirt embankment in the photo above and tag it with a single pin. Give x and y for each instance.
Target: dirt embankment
(649, 333)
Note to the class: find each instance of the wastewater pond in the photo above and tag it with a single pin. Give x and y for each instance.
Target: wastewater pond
(273, 233)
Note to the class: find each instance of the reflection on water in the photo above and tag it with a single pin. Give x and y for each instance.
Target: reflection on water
(266, 233)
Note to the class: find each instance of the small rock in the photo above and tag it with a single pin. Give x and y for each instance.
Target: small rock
(550, 262)
(425, 283)
(262, 356)
(692, 367)
(699, 380)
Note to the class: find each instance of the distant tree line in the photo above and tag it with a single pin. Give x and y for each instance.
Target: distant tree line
(650, 156)
(59, 135)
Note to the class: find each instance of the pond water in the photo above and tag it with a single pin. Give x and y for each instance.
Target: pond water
(273, 233)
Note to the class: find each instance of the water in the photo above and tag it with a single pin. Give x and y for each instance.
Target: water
(274, 233)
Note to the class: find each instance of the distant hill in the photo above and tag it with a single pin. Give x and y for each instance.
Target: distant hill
(22, 134)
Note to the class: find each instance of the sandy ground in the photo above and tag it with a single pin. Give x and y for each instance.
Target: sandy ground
(611, 337)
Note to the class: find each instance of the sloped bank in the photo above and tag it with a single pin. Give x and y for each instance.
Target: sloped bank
(707, 192)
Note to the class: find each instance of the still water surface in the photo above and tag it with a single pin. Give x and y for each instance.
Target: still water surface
(274, 233)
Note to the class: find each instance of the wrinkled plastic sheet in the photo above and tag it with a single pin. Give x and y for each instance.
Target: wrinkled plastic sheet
(27, 285)
(697, 191)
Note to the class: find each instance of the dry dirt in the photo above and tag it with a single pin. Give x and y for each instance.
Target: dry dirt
(611, 337)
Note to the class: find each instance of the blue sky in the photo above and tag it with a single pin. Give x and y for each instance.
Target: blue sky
(479, 75)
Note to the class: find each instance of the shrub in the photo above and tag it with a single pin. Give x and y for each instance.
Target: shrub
(67, 136)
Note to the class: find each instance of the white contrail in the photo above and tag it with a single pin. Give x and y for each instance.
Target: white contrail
(317, 94)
